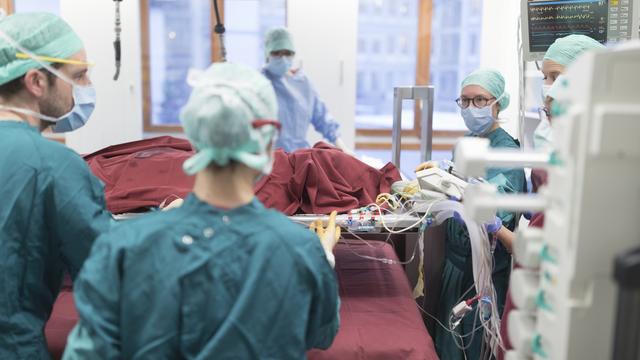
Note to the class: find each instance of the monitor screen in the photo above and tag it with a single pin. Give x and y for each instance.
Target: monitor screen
(552, 19)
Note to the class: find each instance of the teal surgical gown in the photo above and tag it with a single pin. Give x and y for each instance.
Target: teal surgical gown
(52, 211)
(458, 273)
(203, 283)
(299, 106)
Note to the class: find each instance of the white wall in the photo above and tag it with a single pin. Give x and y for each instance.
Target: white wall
(325, 34)
(118, 114)
(500, 51)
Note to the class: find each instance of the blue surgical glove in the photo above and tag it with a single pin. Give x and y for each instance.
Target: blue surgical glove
(493, 226)
(458, 218)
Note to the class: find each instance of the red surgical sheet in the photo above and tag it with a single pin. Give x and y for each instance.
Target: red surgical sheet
(322, 179)
(379, 319)
(143, 174)
(63, 318)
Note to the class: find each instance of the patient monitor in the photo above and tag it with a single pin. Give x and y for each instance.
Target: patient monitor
(607, 21)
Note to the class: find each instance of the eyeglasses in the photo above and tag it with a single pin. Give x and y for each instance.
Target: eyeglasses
(478, 101)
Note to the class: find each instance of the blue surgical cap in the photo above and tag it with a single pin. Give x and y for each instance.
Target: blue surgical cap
(492, 81)
(566, 49)
(278, 39)
(43, 34)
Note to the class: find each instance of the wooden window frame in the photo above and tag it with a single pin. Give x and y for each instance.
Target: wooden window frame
(148, 125)
(425, 14)
(423, 67)
(8, 6)
(422, 78)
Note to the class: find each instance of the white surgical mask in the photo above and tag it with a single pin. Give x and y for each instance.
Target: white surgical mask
(84, 99)
(479, 120)
(545, 91)
(542, 136)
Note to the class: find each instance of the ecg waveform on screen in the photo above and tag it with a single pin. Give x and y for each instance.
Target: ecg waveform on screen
(562, 17)
(542, 9)
(560, 27)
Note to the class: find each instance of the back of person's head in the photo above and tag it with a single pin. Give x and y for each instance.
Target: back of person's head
(230, 117)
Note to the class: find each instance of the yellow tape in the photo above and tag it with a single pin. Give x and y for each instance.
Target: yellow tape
(54, 60)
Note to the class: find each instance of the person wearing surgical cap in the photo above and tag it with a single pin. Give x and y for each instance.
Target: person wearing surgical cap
(482, 98)
(561, 54)
(219, 277)
(298, 102)
(53, 208)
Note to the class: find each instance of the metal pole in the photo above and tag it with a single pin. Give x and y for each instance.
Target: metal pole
(396, 133)
(425, 95)
(426, 126)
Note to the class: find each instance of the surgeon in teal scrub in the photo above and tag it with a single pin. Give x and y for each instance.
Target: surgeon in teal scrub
(52, 206)
(220, 277)
(482, 98)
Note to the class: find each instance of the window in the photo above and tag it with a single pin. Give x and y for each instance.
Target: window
(473, 45)
(392, 35)
(436, 42)
(179, 39)
(52, 6)
(362, 46)
(450, 12)
(450, 48)
(179, 36)
(246, 22)
(455, 52)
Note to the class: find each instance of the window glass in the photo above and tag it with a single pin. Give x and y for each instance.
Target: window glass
(389, 28)
(246, 23)
(180, 35)
(179, 39)
(52, 6)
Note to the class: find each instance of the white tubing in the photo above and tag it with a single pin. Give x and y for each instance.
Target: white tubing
(482, 264)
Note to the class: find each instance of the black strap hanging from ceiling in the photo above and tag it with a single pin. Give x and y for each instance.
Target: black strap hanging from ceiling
(220, 30)
(116, 44)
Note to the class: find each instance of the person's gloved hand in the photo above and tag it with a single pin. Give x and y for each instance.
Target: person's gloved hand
(492, 227)
(345, 149)
(330, 235)
(173, 205)
(427, 165)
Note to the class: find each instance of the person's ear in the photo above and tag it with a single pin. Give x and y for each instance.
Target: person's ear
(35, 83)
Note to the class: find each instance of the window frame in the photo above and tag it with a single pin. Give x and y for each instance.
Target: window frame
(8, 6)
(148, 125)
(423, 68)
(422, 78)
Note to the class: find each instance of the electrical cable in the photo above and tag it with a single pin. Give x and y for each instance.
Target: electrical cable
(482, 256)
